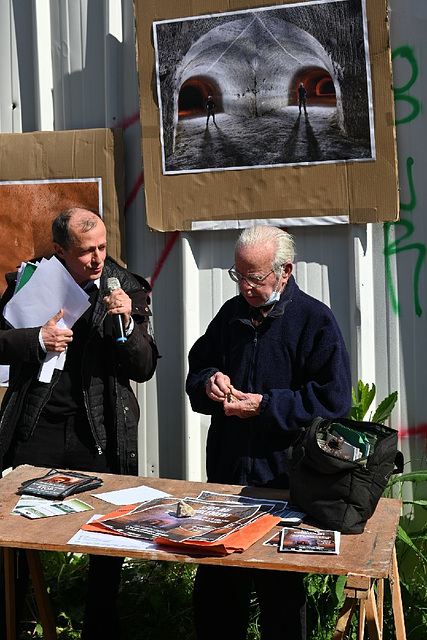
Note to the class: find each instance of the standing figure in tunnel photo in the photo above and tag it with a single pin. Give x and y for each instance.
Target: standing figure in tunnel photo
(302, 97)
(210, 110)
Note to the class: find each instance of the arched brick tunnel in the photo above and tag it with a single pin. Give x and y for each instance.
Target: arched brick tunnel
(193, 95)
(248, 65)
(252, 63)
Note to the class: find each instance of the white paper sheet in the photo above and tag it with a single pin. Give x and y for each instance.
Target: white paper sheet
(93, 539)
(135, 495)
(49, 289)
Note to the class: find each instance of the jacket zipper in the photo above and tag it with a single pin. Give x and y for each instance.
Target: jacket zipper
(86, 404)
(252, 364)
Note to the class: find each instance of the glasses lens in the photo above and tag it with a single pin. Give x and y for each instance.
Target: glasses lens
(236, 277)
(253, 281)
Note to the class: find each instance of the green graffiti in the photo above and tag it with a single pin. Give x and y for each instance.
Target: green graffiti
(400, 92)
(393, 248)
(413, 198)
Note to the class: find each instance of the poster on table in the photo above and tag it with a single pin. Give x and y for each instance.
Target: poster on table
(278, 111)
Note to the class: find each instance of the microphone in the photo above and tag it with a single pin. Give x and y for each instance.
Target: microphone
(119, 330)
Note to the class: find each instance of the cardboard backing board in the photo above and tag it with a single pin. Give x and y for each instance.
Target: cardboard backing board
(360, 189)
(82, 167)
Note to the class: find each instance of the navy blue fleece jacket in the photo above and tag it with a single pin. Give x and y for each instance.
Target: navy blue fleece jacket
(296, 359)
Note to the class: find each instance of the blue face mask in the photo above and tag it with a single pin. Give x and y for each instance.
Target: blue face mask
(275, 297)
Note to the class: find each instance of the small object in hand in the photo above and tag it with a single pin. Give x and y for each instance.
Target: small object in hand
(230, 397)
(184, 510)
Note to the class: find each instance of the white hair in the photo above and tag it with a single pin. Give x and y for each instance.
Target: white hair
(284, 246)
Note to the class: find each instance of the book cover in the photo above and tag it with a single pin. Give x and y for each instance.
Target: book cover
(59, 484)
(309, 540)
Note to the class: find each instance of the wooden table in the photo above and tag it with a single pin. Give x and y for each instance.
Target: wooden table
(366, 559)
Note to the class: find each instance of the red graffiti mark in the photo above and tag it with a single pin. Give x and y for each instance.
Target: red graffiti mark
(136, 187)
(130, 120)
(127, 122)
(166, 251)
(420, 430)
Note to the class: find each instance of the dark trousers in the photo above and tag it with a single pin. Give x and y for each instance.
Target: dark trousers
(222, 598)
(70, 445)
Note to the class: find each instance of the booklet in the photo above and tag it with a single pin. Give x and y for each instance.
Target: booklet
(34, 507)
(57, 485)
(309, 540)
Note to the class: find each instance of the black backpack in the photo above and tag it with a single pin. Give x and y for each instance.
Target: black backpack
(336, 491)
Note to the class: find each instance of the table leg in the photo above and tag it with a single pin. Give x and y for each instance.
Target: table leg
(39, 585)
(343, 622)
(9, 579)
(372, 616)
(380, 603)
(361, 620)
(396, 598)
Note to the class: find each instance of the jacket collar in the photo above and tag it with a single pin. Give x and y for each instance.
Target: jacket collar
(243, 308)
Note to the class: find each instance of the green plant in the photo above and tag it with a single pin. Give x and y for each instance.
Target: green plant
(325, 593)
(411, 548)
(363, 397)
(411, 541)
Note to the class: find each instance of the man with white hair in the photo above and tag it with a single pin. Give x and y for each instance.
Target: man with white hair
(271, 360)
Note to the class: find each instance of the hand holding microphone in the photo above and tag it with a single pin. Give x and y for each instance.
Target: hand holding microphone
(119, 306)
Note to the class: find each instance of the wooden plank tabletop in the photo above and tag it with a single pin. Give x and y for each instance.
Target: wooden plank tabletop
(367, 554)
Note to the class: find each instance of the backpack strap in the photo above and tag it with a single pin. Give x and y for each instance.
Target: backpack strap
(398, 463)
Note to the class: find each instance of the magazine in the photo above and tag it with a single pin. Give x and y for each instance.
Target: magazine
(276, 507)
(57, 485)
(158, 518)
(309, 540)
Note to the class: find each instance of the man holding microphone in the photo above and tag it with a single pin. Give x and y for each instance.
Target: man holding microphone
(86, 417)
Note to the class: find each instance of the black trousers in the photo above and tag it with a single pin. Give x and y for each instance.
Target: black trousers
(69, 445)
(222, 598)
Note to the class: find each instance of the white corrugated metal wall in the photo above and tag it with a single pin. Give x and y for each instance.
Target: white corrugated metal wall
(70, 64)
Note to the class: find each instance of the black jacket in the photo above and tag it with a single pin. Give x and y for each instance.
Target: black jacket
(106, 370)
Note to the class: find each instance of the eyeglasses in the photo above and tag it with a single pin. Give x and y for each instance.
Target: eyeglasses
(252, 281)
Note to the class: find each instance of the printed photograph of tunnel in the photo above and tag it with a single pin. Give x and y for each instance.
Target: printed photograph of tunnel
(281, 85)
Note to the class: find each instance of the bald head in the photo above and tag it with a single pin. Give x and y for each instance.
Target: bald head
(80, 241)
(71, 222)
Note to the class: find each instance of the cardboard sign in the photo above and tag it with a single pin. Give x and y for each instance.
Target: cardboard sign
(44, 173)
(264, 151)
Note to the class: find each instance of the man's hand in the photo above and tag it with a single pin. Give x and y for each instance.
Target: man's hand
(54, 338)
(242, 405)
(218, 386)
(118, 302)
